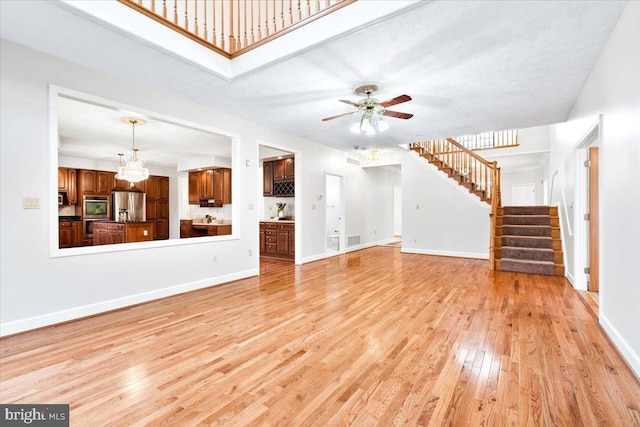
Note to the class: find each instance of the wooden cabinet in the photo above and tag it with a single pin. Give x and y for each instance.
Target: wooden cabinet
(279, 178)
(92, 182)
(122, 185)
(108, 233)
(267, 173)
(68, 183)
(194, 188)
(277, 240)
(185, 228)
(157, 202)
(65, 238)
(283, 170)
(69, 234)
(210, 184)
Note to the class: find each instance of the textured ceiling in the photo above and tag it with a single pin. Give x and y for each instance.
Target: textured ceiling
(469, 67)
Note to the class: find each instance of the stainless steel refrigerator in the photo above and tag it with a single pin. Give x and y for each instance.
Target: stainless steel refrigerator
(129, 206)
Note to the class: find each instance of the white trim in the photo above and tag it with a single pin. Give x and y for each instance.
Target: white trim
(313, 258)
(23, 325)
(55, 251)
(445, 253)
(632, 358)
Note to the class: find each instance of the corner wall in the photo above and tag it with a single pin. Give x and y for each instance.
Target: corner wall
(613, 90)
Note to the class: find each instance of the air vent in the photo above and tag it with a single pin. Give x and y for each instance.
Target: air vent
(353, 240)
(353, 161)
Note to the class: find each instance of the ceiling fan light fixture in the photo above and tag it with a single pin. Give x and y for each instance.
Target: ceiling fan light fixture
(382, 125)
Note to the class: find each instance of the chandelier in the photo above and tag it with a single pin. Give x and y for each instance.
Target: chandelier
(370, 122)
(132, 168)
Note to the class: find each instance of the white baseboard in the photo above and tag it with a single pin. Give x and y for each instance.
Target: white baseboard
(22, 325)
(569, 277)
(632, 358)
(445, 253)
(313, 258)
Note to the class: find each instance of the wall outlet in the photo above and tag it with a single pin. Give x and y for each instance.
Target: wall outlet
(31, 203)
(415, 240)
(250, 252)
(417, 207)
(214, 259)
(145, 232)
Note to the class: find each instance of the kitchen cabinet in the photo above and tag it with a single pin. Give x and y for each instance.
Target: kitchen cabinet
(92, 182)
(65, 239)
(200, 230)
(283, 170)
(279, 178)
(210, 184)
(157, 202)
(123, 185)
(68, 183)
(69, 234)
(277, 240)
(267, 173)
(185, 228)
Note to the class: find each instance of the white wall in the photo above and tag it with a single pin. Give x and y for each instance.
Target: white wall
(613, 90)
(531, 176)
(438, 216)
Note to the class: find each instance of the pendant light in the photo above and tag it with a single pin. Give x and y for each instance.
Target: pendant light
(132, 168)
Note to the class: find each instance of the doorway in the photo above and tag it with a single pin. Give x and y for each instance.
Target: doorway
(523, 195)
(334, 206)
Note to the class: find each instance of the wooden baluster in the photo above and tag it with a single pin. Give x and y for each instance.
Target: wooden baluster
(282, 13)
(290, 12)
(213, 24)
(299, 11)
(164, 9)
(195, 4)
(232, 37)
(253, 37)
(259, 21)
(153, 6)
(317, 6)
(175, 12)
(239, 33)
(186, 15)
(266, 20)
(245, 24)
(206, 34)
(222, 39)
(308, 8)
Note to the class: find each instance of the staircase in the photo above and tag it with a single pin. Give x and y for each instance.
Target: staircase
(462, 165)
(527, 240)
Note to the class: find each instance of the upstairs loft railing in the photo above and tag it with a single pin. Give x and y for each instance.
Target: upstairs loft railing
(488, 140)
(234, 27)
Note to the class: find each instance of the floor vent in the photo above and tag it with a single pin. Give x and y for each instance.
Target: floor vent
(353, 161)
(353, 240)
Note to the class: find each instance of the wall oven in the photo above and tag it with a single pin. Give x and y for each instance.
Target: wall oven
(94, 208)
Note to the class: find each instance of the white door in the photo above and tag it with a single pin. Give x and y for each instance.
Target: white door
(523, 195)
(334, 215)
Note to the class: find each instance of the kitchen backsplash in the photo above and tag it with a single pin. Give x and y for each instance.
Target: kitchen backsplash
(67, 210)
(271, 209)
(196, 211)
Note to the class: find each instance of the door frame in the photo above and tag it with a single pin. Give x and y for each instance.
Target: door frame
(342, 238)
(593, 137)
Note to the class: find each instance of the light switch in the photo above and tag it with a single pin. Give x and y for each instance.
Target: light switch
(145, 232)
(31, 203)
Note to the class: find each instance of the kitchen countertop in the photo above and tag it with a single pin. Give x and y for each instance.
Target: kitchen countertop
(214, 223)
(282, 221)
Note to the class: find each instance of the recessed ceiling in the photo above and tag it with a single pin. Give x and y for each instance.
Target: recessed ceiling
(470, 66)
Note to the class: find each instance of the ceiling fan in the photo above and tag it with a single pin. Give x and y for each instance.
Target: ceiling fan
(371, 110)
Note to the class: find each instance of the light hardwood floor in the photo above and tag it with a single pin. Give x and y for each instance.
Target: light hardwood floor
(374, 337)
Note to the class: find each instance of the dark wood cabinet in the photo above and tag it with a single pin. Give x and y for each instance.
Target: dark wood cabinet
(68, 184)
(65, 238)
(277, 240)
(69, 234)
(158, 205)
(283, 170)
(194, 188)
(279, 178)
(210, 184)
(185, 228)
(267, 173)
(93, 182)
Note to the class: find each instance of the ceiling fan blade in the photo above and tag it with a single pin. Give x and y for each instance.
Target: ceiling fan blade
(338, 116)
(397, 114)
(355, 104)
(395, 101)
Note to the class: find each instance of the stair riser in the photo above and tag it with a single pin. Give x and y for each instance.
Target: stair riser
(525, 220)
(527, 254)
(524, 242)
(514, 230)
(529, 210)
(547, 270)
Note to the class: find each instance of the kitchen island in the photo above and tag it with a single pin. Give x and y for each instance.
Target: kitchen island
(112, 232)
